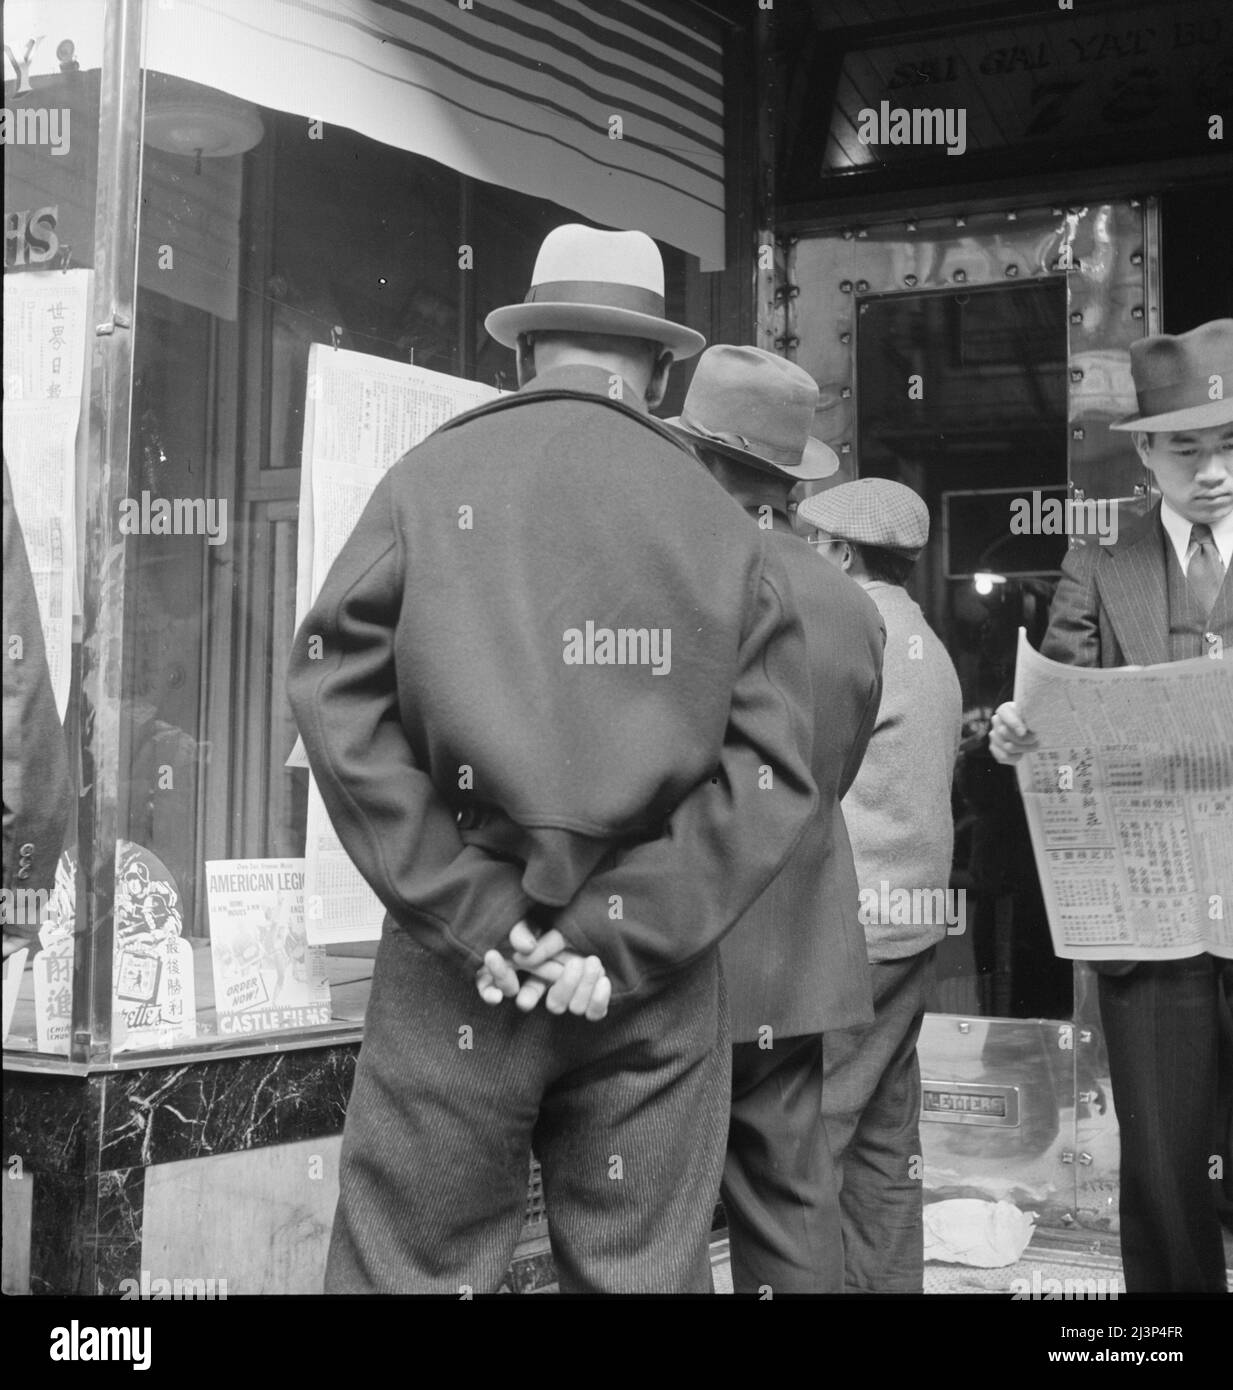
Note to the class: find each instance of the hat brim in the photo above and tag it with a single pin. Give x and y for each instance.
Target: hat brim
(818, 461)
(1194, 417)
(505, 324)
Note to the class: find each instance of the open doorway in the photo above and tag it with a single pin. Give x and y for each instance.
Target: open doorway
(961, 394)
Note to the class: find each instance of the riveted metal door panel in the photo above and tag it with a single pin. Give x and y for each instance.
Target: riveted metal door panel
(998, 1112)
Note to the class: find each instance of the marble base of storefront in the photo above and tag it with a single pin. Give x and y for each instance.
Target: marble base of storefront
(220, 1173)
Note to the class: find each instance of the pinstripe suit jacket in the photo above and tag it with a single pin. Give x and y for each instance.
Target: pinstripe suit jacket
(1111, 607)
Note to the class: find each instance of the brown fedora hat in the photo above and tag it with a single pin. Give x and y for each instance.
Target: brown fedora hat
(756, 408)
(1183, 382)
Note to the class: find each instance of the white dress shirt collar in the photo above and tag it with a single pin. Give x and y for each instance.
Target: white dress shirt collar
(1177, 528)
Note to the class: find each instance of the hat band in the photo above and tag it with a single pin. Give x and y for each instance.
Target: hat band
(602, 293)
(773, 453)
(1178, 395)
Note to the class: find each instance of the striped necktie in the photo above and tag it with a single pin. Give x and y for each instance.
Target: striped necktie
(1205, 571)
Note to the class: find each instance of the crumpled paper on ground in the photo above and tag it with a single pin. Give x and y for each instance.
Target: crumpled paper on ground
(967, 1231)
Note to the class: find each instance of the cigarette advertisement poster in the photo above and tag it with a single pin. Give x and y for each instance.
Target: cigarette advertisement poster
(361, 415)
(267, 978)
(1129, 800)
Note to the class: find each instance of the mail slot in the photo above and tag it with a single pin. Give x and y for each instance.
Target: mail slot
(960, 1102)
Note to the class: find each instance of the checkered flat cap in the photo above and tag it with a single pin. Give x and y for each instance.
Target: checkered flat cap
(871, 511)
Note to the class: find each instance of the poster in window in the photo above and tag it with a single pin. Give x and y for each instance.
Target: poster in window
(153, 991)
(267, 978)
(45, 316)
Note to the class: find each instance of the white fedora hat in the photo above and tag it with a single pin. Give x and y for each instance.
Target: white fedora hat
(588, 281)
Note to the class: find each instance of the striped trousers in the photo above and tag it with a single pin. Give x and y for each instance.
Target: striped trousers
(628, 1118)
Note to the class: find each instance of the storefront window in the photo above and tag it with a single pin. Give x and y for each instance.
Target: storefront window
(253, 261)
(51, 135)
(308, 302)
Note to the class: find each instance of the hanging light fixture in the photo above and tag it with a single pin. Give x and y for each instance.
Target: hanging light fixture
(187, 118)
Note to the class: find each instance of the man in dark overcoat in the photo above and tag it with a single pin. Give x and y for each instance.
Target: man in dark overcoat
(796, 964)
(559, 709)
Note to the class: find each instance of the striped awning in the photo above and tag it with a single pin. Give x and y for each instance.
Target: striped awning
(611, 108)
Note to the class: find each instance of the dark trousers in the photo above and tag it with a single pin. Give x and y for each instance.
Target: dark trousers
(1170, 1039)
(871, 1107)
(627, 1116)
(779, 1183)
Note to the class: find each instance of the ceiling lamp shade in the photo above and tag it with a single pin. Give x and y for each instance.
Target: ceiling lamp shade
(187, 118)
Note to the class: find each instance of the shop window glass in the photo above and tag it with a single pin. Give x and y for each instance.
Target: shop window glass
(261, 246)
(50, 135)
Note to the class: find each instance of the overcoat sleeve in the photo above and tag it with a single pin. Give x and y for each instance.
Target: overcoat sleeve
(656, 905)
(390, 818)
(37, 790)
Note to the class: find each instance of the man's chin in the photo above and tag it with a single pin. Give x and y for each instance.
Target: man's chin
(1208, 509)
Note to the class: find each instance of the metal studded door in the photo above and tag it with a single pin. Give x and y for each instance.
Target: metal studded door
(979, 358)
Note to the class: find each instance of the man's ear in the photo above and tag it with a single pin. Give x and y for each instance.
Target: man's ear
(657, 388)
(1140, 440)
(525, 358)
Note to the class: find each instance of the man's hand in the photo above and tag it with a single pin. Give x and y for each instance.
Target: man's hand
(497, 979)
(1009, 737)
(572, 982)
(579, 982)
